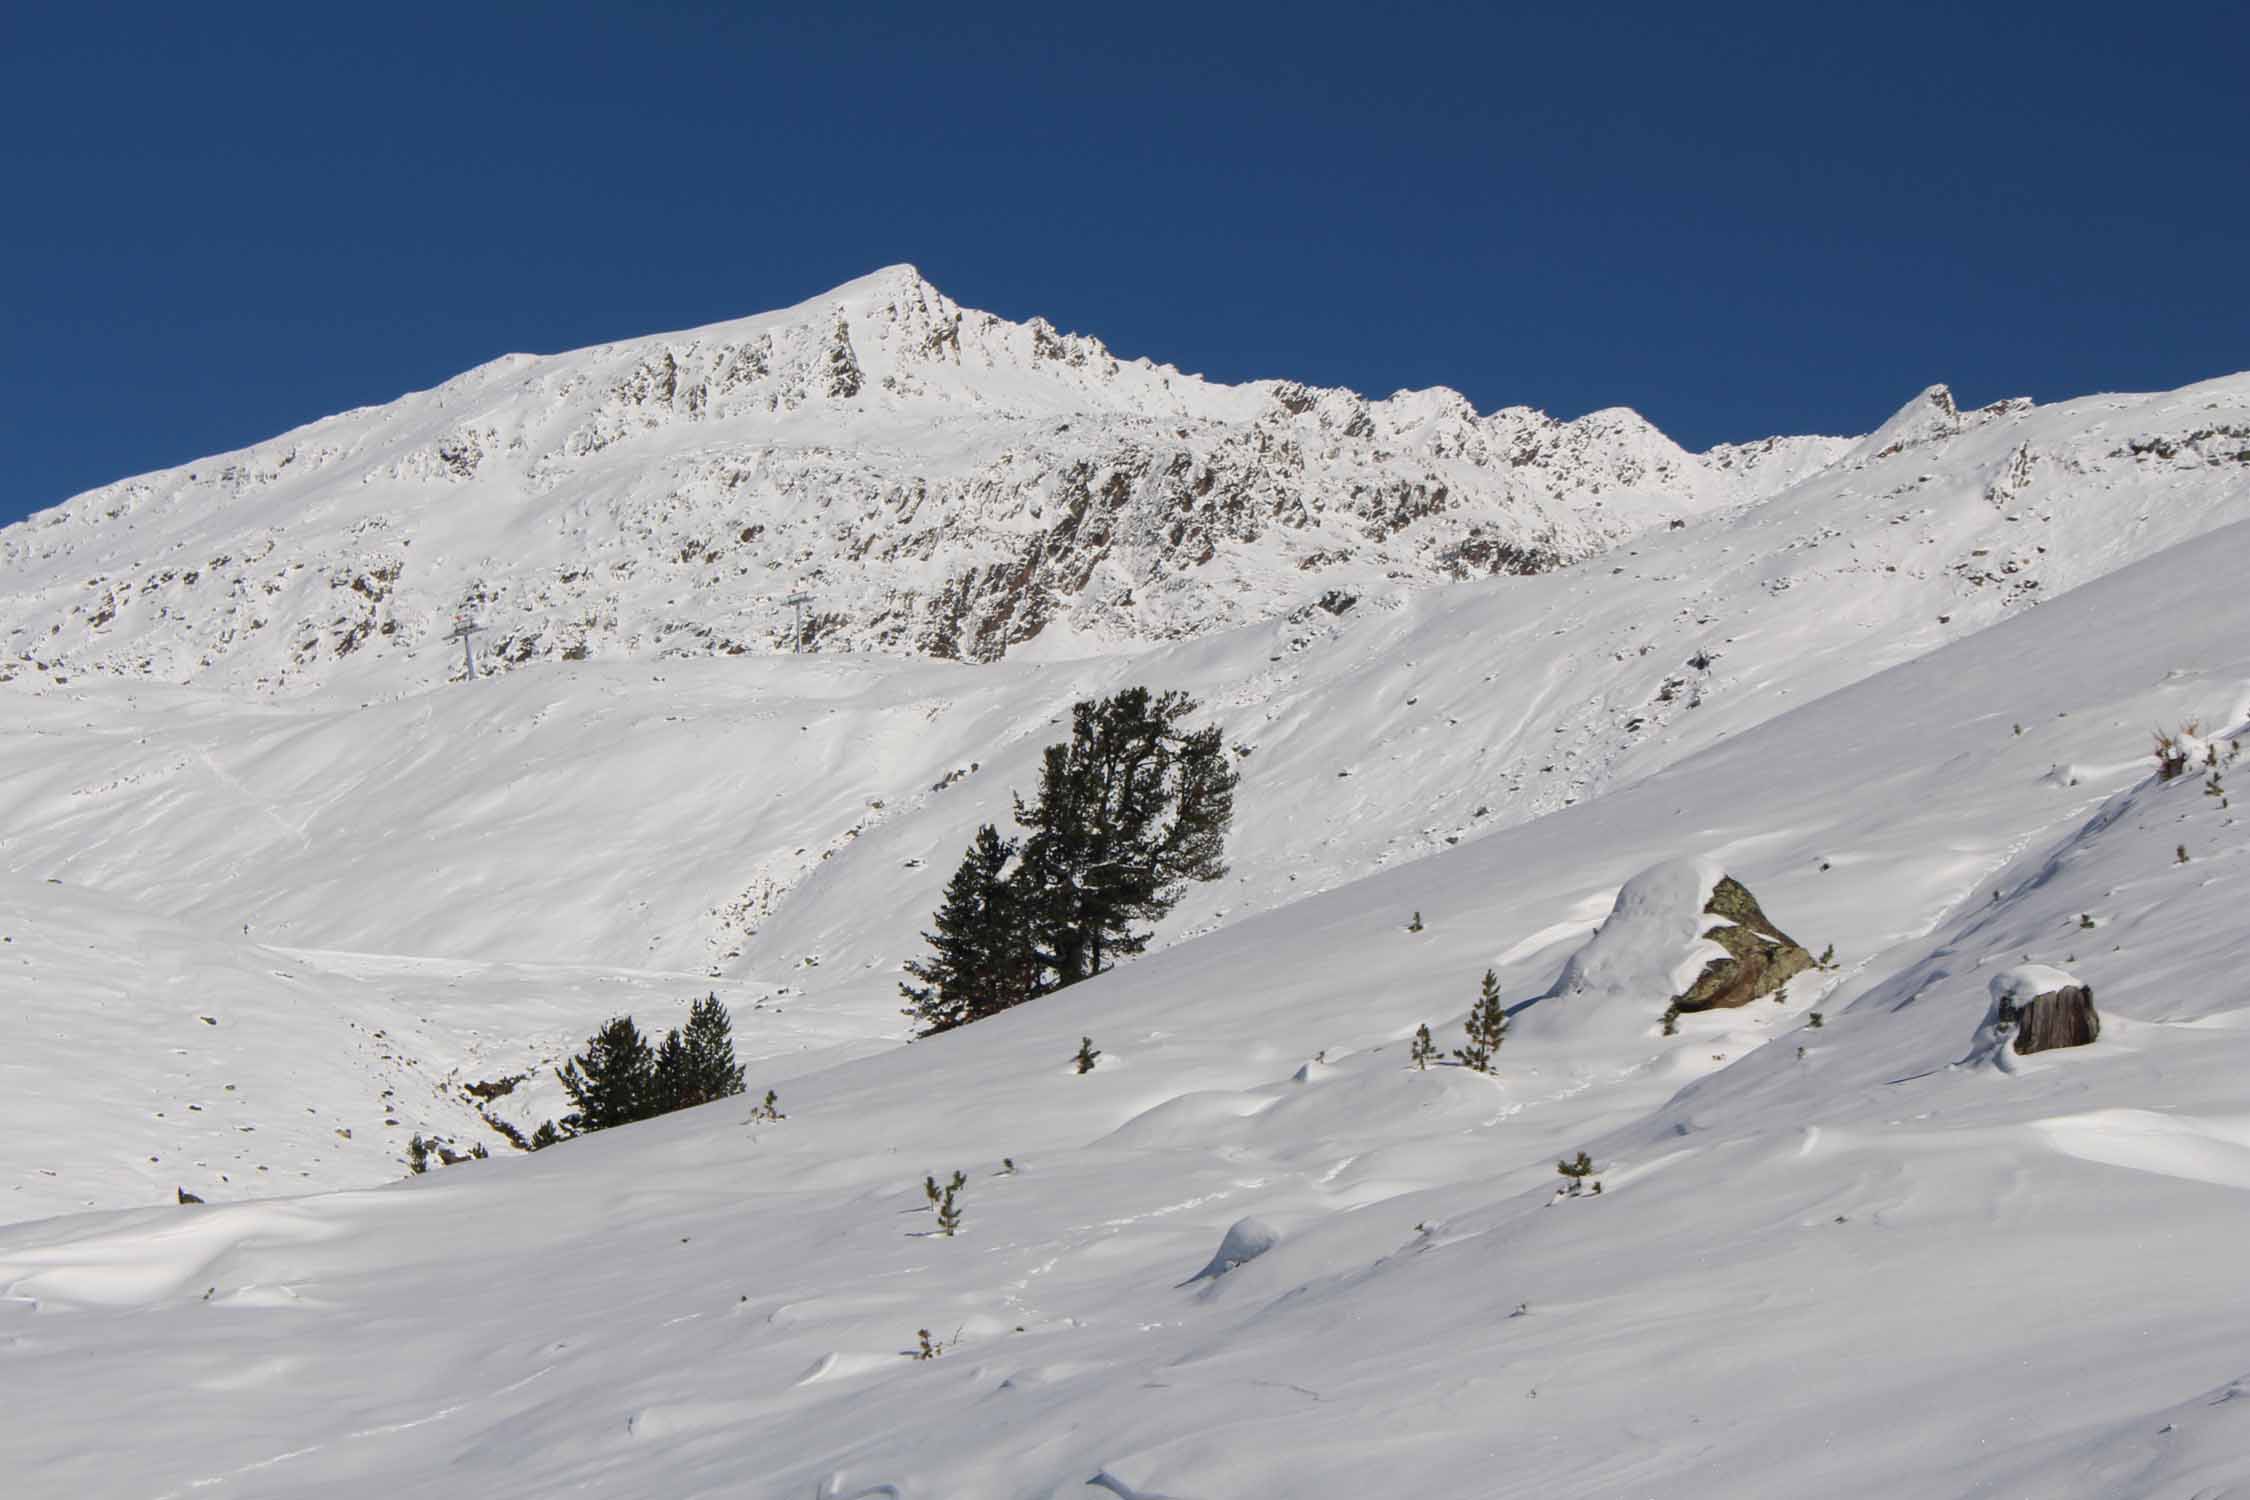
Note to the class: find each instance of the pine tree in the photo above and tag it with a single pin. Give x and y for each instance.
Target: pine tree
(668, 1085)
(1488, 1026)
(1130, 810)
(613, 1082)
(1424, 1049)
(710, 1071)
(1088, 1054)
(981, 960)
(546, 1135)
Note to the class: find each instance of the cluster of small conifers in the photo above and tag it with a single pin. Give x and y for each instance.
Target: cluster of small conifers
(1487, 1028)
(620, 1078)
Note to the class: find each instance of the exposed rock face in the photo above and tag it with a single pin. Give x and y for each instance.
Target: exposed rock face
(2036, 1009)
(942, 481)
(1761, 958)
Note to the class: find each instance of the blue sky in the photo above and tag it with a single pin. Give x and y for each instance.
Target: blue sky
(226, 220)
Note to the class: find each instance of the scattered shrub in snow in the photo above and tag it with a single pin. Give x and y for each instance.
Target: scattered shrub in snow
(185, 1196)
(1488, 1027)
(1814, 1020)
(417, 1155)
(770, 1110)
(1575, 1172)
(546, 1135)
(2172, 750)
(2180, 854)
(1416, 924)
(942, 1201)
(1088, 1054)
(925, 1346)
(1423, 1049)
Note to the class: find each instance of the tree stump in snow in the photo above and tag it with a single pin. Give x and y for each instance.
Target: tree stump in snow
(2047, 1009)
(1761, 958)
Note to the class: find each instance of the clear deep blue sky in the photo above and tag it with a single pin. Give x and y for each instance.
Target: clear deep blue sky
(221, 221)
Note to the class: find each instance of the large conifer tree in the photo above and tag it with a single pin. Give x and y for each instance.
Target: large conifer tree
(613, 1082)
(708, 1070)
(981, 956)
(1130, 809)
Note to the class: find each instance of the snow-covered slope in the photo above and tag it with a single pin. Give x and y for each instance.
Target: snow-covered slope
(1824, 1257)
(941, 481)
(1901, 686)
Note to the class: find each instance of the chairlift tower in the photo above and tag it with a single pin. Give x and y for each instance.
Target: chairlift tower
(465, 629)
(798, 602)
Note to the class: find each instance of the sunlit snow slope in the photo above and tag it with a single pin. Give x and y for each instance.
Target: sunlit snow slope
(268, 912)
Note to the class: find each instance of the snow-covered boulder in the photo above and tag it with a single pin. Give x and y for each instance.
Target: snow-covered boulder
(1683, 933)
(2035, 1008)
(1245, 1241)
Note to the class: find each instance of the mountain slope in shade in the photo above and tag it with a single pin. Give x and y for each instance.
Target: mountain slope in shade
(941, 481)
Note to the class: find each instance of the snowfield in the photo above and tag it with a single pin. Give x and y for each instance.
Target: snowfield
(264, 921)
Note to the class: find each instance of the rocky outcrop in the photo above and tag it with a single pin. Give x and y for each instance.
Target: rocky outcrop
(939, 479)
(1760, 957)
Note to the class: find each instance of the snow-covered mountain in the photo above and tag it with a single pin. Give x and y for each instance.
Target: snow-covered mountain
(1901, 686)
(941, 481)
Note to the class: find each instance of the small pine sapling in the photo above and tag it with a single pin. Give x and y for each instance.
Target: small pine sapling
(1488, 1027)
(1423, 1049)
(417, 1155)
(2181, 854)
(770, 1110)
(1815, 1021)
(1828, 957)
(546, 1135)
(2085, 919)
(943, 1201)
(925, 1346)
(1088, 1055)
(1672, 1019)
(1416, 924)
(1575, 1172)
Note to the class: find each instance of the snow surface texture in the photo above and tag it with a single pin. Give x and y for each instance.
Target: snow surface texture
(1825, 1259)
